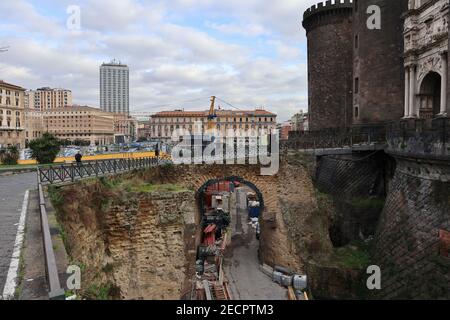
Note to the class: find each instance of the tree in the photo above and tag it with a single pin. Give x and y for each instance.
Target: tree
(45, 149)
(9, 156)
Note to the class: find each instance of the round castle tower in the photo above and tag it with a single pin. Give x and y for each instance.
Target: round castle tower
(378, 71)
(330, 63)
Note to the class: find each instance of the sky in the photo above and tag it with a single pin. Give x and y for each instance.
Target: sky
(249, 53)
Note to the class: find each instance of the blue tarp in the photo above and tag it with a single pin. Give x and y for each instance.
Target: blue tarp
(254, 212)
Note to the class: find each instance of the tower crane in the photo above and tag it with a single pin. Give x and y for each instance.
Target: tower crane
(212, 114)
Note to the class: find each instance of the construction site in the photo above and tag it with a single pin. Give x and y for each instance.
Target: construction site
(228, 266)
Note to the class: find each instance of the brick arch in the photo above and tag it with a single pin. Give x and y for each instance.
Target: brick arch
(291, 181)
(230, 179)
(194, 177)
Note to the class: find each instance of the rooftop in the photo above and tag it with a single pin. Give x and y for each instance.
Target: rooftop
(75, 108)
(182, 113)
(10, 86)
(114, 63)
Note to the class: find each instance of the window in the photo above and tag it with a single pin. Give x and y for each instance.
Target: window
(356, 41)
(356, 85)
(356, 112)
(356, 5)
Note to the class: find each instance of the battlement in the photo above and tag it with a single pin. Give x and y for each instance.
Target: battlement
(326, 7)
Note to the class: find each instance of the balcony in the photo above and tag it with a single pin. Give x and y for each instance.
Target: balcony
(5, 128)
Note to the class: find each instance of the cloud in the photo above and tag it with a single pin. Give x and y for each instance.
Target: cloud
(250, 53)
(247, 30)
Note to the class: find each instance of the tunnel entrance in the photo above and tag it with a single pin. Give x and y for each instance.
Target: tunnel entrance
(228, 254)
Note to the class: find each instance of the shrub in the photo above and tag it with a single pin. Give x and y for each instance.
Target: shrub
(45, 149)
(10, 156)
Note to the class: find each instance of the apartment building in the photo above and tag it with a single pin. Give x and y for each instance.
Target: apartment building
(114, 87)
(48, 98)
(12, 115)
(80, 123)
(162, 124)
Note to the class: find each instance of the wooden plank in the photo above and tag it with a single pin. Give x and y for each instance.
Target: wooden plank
(221, 275)
(227, 291)
(291, 293)
(207, 290)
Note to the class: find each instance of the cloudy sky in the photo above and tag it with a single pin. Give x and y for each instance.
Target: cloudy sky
(250, 53)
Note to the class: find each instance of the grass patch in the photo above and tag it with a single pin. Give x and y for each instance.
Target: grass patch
(368, 204)
(20, 273)
(148, 187)
(354, 255)
(102, 292)
(55, 195)
(17, 166)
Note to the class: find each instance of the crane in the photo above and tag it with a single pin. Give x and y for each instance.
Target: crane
(212, 114)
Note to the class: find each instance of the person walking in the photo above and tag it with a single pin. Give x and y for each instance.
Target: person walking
(157, 152)
(78, 158)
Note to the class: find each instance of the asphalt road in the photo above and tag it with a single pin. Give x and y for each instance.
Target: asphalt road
(12, 191)
(241, 264)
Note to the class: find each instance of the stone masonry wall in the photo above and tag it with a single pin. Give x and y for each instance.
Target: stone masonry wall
(136, 245)
(350, 176)
(378, 63)
(329, 33)
(407, 242)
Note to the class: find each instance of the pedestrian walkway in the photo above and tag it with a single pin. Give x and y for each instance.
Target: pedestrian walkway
(12, 192)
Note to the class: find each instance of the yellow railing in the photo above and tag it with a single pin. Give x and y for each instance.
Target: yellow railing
(123, 155)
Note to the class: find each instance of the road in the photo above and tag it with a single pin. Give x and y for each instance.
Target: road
(12, 191)
(241, 264)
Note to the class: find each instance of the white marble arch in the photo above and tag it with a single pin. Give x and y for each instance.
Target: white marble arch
(415, 4)
(428, 65)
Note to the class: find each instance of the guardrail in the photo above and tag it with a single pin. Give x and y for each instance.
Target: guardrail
(51, 270)
(72, 173)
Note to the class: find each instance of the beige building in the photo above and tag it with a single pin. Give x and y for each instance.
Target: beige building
(125, 128)
(299, 122)
(80, 123)
(48, 98)
(162, 124)
(34, 125)
(12, 115)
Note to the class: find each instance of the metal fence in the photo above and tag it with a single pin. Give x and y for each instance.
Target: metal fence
(70, 173)
(409, 137)
(73, 172)
(337, 138)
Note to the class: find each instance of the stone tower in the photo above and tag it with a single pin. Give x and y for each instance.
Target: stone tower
(378, 71)
(330, 61)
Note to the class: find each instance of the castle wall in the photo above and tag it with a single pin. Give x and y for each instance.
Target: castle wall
(408, 245)
(378, 73)
(329, 33)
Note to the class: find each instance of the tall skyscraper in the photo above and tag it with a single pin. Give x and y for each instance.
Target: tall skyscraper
(114, 87)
